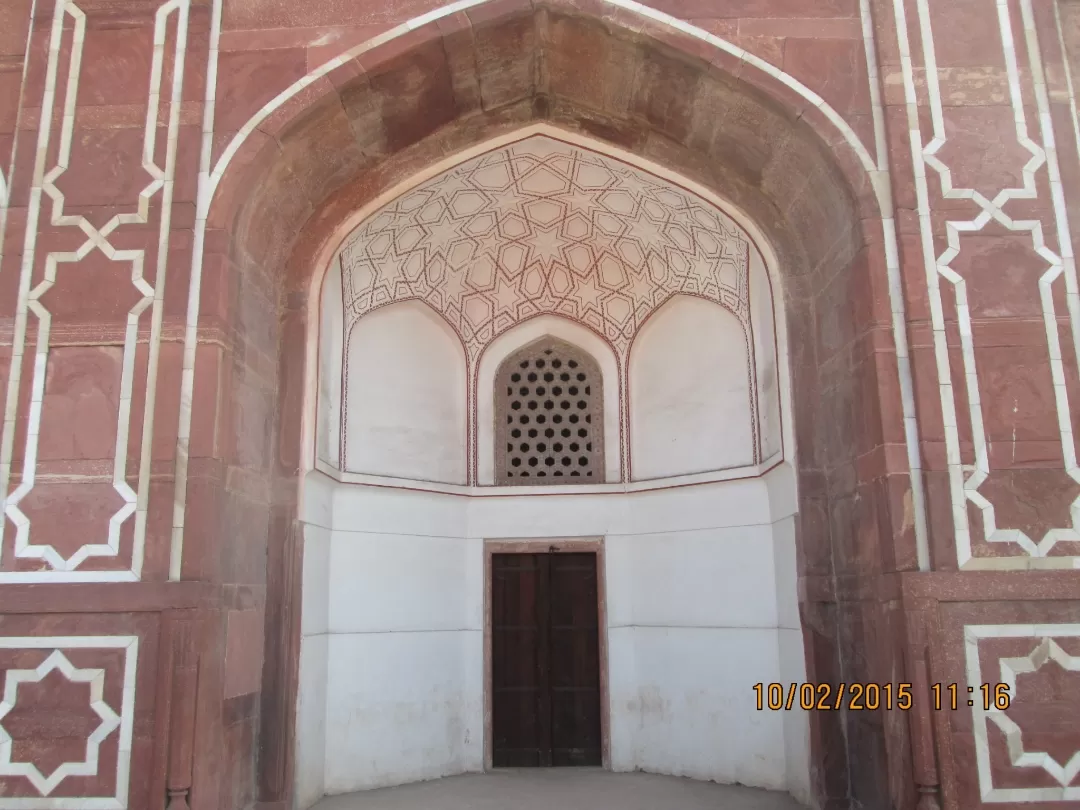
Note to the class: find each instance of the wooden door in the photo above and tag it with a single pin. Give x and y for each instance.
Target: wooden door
(545, 660)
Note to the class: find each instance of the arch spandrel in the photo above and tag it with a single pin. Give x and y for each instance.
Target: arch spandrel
(542, 226)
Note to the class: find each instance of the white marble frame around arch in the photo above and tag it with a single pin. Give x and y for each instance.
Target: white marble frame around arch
(332, 247)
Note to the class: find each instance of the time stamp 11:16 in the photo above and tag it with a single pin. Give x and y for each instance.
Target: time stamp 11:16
(874, 696)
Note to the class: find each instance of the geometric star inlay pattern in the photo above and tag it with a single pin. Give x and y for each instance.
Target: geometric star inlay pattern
(1046, 648)
(538, 227)
(110, 721)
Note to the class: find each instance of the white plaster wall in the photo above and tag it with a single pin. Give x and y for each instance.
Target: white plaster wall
(689, 392)
(696, 617)
(406, 383)
(783, 497)
(695, 611)
(688, 710)
(316, 518)
(311, 715)
(701, 604)
(792, 658)
(403, 707)
(404, 688)
(331, 341)
(763, 319)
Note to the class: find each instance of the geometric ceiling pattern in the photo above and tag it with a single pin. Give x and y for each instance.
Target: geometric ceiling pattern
(541, 226)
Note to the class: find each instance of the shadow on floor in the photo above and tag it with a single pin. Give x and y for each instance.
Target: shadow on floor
(562, 789)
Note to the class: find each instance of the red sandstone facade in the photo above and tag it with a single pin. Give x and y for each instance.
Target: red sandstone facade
(170, 173)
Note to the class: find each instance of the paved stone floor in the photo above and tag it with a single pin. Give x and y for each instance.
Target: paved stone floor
(562, 789)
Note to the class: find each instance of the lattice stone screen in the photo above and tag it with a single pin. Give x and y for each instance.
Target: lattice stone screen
(549, 416)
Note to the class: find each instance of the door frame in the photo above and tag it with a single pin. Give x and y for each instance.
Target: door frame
(542, 545)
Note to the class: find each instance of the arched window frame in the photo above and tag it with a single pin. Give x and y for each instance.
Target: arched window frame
(578, 407)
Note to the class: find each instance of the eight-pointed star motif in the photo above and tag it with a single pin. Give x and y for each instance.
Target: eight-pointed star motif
(110, 721)
(1046, 651)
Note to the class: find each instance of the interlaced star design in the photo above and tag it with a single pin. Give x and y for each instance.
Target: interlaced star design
(570, 232)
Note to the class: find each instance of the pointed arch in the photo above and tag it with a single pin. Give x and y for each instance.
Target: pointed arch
(275, 214)
(549, 416)
(532, 332)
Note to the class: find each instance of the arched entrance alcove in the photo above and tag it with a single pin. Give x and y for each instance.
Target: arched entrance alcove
(549, 343)
(410, 112)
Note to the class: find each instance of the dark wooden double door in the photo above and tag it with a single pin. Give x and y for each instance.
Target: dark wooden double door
(545, 660)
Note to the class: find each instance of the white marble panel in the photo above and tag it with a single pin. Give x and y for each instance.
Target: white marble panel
(403, 707)
(707, 506)
(311, 721)
(316, 581)
(762, 317)
(690, 709)
(796, 722)
(546, 516)
(405, 412)
(317, 506)
(399, 511)
(331, 344)
(381, 583)
(786, 574)
(622, 687)
(783, 488)
(691, 401)
(702, 578)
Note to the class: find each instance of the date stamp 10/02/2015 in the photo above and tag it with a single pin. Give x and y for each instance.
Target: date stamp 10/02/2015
(876, 696)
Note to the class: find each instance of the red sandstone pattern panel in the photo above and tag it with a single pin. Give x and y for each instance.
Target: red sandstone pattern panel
(1027, 752)
(80, 408)
(67, 717)
(1003, 292)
